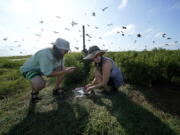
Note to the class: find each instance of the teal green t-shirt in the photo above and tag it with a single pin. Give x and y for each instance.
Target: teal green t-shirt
(43, 62)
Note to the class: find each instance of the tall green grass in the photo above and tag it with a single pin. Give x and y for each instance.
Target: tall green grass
(11, 80)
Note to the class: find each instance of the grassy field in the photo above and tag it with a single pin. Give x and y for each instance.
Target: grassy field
(132, 110)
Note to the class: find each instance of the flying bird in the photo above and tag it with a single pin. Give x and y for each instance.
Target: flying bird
(88, 35)
(167, 44)
(74, 23)
(5, 39)
(175, 42)
(88, 25)
(93, 14)
(122, 33)
(110, 24)
(58, 17)
(164, 35)
(104, 9)
(76, 48)
(134, 41)
(153, 42)
(123, 27)
(96, 27)
(169, 38)
(38, 35)
(139, 35)
(56, 32)
(67, 29)
(41, 21)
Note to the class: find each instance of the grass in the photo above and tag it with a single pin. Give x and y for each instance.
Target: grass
(130, 111)
(126, 112)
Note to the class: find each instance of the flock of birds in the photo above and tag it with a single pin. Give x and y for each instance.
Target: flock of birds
(73, 24)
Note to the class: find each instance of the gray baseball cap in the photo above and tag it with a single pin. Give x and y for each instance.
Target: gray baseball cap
(62, 44)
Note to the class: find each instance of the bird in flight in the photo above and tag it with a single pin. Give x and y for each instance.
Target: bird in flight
(104, 9)
(88, 35)
(175, 42)
(38, 35)
(67, 29)
(93, 14)
(164, 35)
(56, 32)
(139, 35)
(58, 17)
(74, 23)
(123, 27)
(110, 24)
(41, 22)
(76, 48)
(5, 39)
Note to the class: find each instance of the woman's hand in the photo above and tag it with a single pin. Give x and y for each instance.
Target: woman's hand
(88, 85)
(69, 69)
(88, 89)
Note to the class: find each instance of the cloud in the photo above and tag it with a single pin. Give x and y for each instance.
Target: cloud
(159, 34)
(129, 31)
(123, 4)
(148, 33)
(148, 30)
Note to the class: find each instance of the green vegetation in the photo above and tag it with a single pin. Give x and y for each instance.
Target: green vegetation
(148, 67)
(11, 81)
(130, 111)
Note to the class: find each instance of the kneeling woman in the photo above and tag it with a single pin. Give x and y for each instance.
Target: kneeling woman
(106, 71)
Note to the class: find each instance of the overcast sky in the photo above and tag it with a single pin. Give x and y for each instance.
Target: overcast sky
(27, 26)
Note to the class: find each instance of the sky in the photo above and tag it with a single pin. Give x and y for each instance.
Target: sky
(27, 26)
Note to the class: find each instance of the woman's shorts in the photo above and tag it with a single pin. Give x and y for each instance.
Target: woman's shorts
(114, 83)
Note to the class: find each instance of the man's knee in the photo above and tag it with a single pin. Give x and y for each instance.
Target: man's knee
(38, 83)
